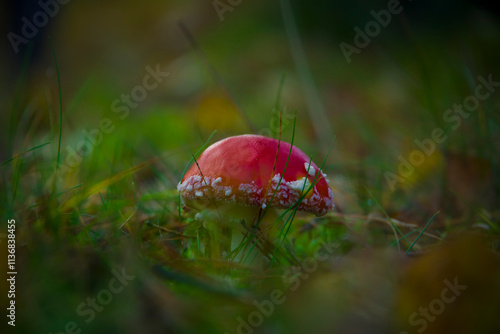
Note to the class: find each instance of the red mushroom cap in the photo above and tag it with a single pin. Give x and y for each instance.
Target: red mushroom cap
(240, 170)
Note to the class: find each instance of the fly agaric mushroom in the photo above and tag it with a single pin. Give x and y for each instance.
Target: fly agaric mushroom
(243, 171)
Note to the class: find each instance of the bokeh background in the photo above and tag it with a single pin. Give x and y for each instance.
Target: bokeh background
(113, 204)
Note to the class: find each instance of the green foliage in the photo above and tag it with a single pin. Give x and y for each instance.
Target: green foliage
(79, 220)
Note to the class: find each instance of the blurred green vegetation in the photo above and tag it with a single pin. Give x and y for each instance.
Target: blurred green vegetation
(114, 204)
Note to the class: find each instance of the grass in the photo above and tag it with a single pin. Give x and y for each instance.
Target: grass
(365, 267)
(60, 107)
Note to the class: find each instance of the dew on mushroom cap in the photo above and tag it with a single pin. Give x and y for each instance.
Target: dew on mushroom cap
(240, 170)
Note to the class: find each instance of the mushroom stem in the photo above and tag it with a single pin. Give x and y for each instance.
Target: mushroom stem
(218, 241)
(231, 232)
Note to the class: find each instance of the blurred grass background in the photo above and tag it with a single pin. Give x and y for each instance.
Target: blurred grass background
(118, 207)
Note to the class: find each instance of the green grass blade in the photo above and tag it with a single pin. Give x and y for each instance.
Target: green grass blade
(184, 173)
(60, 104)
(23, 152)
(316, 109)
(422, 232)
(16, 113)
(394, 226)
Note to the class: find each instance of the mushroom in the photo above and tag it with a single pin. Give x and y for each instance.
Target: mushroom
(243, 175)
